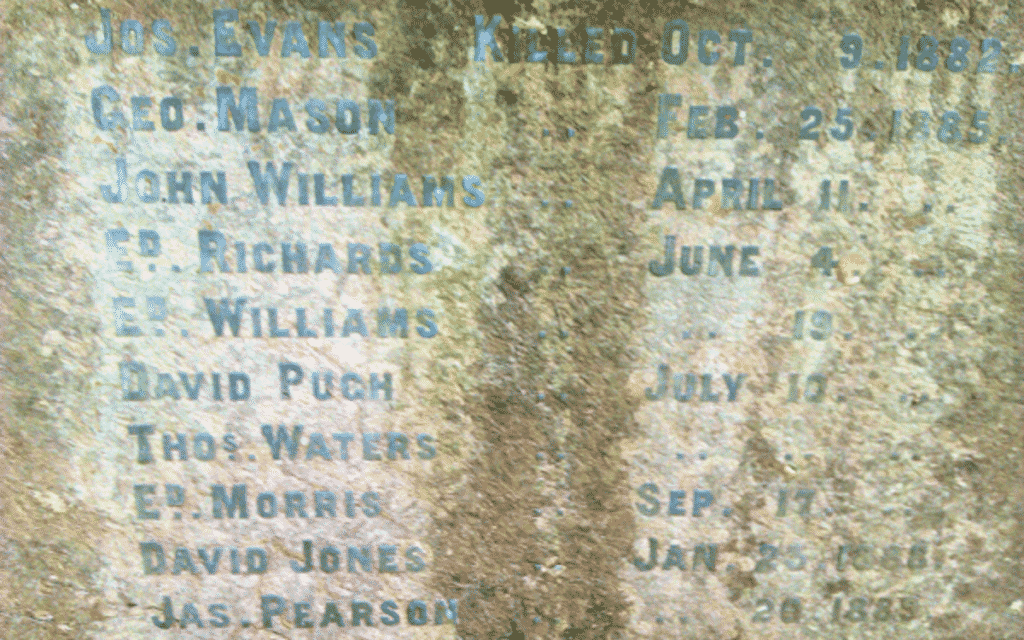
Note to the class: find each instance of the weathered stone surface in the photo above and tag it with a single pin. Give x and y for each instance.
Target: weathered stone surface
(808, 442)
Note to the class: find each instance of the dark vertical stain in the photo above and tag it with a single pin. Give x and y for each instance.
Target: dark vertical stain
(534, 524)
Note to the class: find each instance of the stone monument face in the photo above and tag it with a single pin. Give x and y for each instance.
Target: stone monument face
(511, 320)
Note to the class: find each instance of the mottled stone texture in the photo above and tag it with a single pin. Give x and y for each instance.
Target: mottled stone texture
(540, 389)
